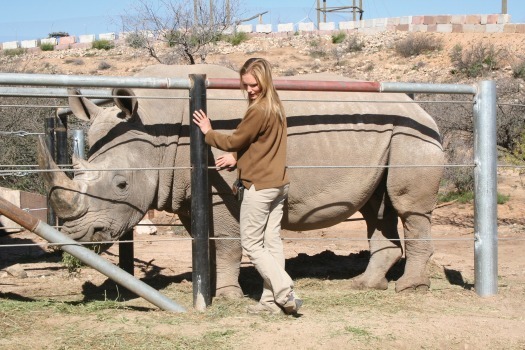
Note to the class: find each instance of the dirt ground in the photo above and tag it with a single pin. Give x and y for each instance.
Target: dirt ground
(451, 315)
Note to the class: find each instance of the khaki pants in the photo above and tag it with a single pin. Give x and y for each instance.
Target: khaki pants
(260, 221)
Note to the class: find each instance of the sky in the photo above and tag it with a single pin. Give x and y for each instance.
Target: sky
(35, 19)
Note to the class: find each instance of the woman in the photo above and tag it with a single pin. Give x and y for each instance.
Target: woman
(260, 143)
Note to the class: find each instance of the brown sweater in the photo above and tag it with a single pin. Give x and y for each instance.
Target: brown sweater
(260, 143)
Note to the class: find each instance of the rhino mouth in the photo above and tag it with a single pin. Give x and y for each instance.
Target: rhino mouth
(98, 233)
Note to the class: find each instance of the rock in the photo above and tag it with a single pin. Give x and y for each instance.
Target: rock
(16, 271)
(145, 227)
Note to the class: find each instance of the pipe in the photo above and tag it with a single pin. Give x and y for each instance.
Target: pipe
(485, 186)
(91, 81)
(87, 256)
(200, 203)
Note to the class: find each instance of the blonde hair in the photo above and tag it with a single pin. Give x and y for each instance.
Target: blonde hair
(262, 72)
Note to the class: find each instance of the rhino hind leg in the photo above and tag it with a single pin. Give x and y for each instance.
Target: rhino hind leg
(385, 248)
(417, 252)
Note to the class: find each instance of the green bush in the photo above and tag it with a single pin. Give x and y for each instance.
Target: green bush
(102, 45)
(417, 44)
(47, 47)
(236, 38)
(476, 61)
(57, 34)
(338, 38)
(15, 52)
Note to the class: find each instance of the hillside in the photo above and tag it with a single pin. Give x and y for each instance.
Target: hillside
(294, 55)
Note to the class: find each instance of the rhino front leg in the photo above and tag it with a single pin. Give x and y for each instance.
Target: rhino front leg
(226, 255)
(385, 248)
(418, 250)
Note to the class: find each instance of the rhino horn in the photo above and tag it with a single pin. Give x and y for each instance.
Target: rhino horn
(66, 196)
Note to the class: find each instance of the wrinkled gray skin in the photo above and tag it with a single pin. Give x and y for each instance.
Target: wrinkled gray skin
(141, 132)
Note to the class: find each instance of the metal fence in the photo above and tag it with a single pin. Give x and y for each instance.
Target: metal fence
(485, 167)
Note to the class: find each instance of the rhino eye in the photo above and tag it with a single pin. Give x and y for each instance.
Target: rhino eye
(120, 182)
(122, 185)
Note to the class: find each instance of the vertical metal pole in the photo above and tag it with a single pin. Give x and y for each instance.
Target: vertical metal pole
(485, 197)
(353, 10)
(504, 7)
(318, 13)
(126, 253)
(361, 9)
(324, 11)
(61, 147)
(199, 199)
(79, 144)
(50, 143)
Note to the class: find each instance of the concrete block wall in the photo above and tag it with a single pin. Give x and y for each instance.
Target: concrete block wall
(490, 23)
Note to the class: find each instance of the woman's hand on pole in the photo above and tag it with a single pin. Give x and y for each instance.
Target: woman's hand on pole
(203, 122)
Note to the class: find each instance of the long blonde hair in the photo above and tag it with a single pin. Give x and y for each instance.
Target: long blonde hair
(262, 72)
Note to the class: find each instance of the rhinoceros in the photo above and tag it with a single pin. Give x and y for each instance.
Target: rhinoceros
(325, 139)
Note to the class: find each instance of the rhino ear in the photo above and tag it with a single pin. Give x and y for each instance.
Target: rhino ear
(127, 102)
(81, 107)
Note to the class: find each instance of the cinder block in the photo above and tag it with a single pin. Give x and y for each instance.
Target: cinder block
(443, 19)
(429, 20)
(347, 25)
(444, 28)
(473, 28)
(52, 41)
(33, 203)
(421, 28)
(393, 21)
(245, 28)
(380, 22)
(504, 19)
(403, 27)
(405, 20)
(107, 36)
(483, 19)
(509, 28)
(432, 28)
(457, 28)
(66, 40)
(326, 26)
(263, 28)
(368, 23)
(473, 19)
(520, 28)
(457, 19)
(27, 44)
(418, 19)
(9, 45)
(306, 27)
(88, 38)
(285, 27)
(494, 28)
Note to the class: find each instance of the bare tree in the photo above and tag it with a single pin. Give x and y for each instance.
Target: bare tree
(186, 28)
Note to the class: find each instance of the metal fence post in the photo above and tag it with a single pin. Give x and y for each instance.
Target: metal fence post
(50, 143)
(485, 197)
(79, 144)
(199, 199)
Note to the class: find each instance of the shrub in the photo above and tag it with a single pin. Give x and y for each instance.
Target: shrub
(316, 50)
(57, 34)
(236, 38)
(354, 44)
(102, 45)
(104, 65)
(47, 47)
(476, 61)
(15, 52)
(518, 69)
(417, 44)
(338, 38)
(136, 41)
